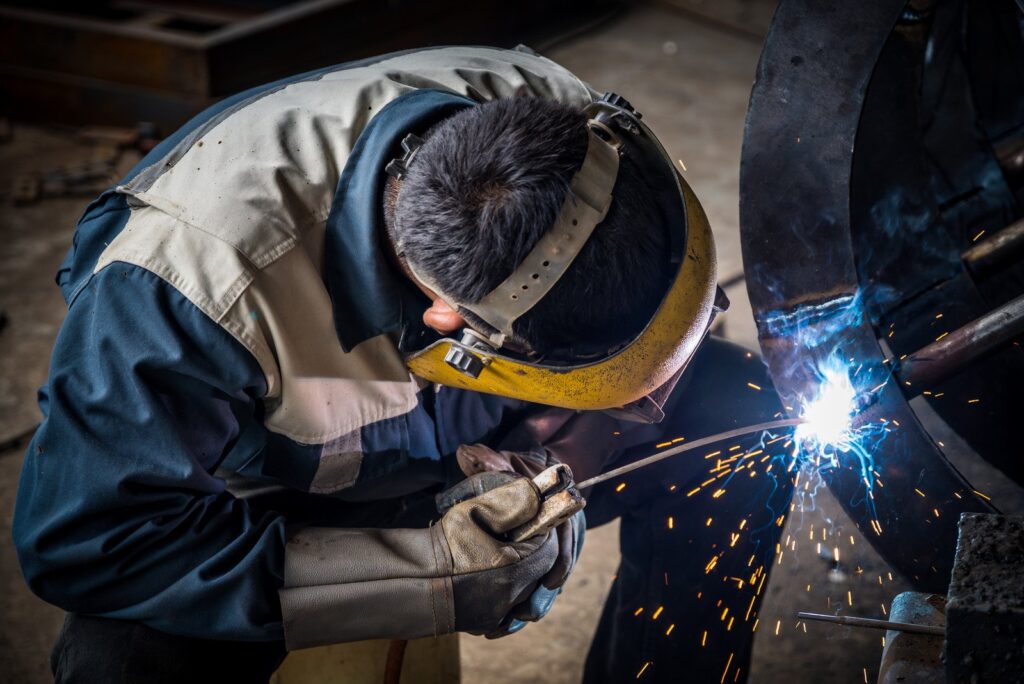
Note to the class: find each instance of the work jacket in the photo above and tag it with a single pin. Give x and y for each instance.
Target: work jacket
(230, 316)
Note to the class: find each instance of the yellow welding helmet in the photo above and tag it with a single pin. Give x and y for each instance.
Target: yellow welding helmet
(629, 374)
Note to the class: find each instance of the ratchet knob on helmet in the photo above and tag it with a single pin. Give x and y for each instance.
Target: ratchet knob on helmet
(616, 100)
(464, 361)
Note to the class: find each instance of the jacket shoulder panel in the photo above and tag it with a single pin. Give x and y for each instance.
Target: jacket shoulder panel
(322, 393)
(266, 173)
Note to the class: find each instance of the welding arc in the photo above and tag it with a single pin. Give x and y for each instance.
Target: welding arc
(703, 441)
(871, 623)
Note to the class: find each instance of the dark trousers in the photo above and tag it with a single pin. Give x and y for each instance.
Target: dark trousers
(93, 650)
(684, 603)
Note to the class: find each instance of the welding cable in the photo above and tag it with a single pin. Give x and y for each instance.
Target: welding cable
(395, 660)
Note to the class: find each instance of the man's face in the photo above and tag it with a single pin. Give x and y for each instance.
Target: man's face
(440, 316)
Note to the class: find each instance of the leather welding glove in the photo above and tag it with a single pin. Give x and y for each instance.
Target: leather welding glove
(478, 460)
(543, 597)
(461, 574)
(488, 467)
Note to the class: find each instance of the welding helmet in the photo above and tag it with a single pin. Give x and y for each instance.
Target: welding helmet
(636, 376)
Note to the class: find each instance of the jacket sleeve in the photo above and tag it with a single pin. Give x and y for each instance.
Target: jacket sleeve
(118, 513)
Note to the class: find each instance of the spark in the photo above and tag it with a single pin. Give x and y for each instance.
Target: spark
(727, 665)
(753, 386)
(643, 669)
(670, 628)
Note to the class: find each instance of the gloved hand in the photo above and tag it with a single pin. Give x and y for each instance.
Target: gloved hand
(570, 544)
(459, 575)
(488, 468)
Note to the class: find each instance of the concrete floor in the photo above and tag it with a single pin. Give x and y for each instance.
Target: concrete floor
(691, 78)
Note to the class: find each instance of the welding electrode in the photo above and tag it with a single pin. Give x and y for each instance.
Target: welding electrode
(696, 444)
(560, 495)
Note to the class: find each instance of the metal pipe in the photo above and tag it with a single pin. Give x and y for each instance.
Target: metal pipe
(949, 355)
(870, 623)
(696, 444)
(988, 255)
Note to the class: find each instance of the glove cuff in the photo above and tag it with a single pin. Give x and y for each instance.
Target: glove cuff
(350, 584)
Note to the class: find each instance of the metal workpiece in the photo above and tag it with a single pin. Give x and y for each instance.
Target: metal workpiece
(996, 251)
(956, 350)
(863, 200)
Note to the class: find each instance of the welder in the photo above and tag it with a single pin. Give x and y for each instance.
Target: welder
(319, 340)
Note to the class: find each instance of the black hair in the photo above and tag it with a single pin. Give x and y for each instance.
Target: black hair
(489, 181)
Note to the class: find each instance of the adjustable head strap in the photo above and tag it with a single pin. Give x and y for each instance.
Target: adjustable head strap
(590, 195)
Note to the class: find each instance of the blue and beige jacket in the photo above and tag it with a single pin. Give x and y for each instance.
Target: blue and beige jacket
(229, 312)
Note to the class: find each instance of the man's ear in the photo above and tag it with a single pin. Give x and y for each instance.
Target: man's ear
(443, 318)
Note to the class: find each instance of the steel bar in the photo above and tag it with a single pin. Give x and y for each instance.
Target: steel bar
(874, 624)
(988, 255)
(1010, 153)
(950, 354)
(696, 444)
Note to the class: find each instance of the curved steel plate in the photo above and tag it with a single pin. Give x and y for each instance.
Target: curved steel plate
(799, 260)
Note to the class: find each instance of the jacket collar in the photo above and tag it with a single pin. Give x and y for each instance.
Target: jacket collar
(368, 297)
